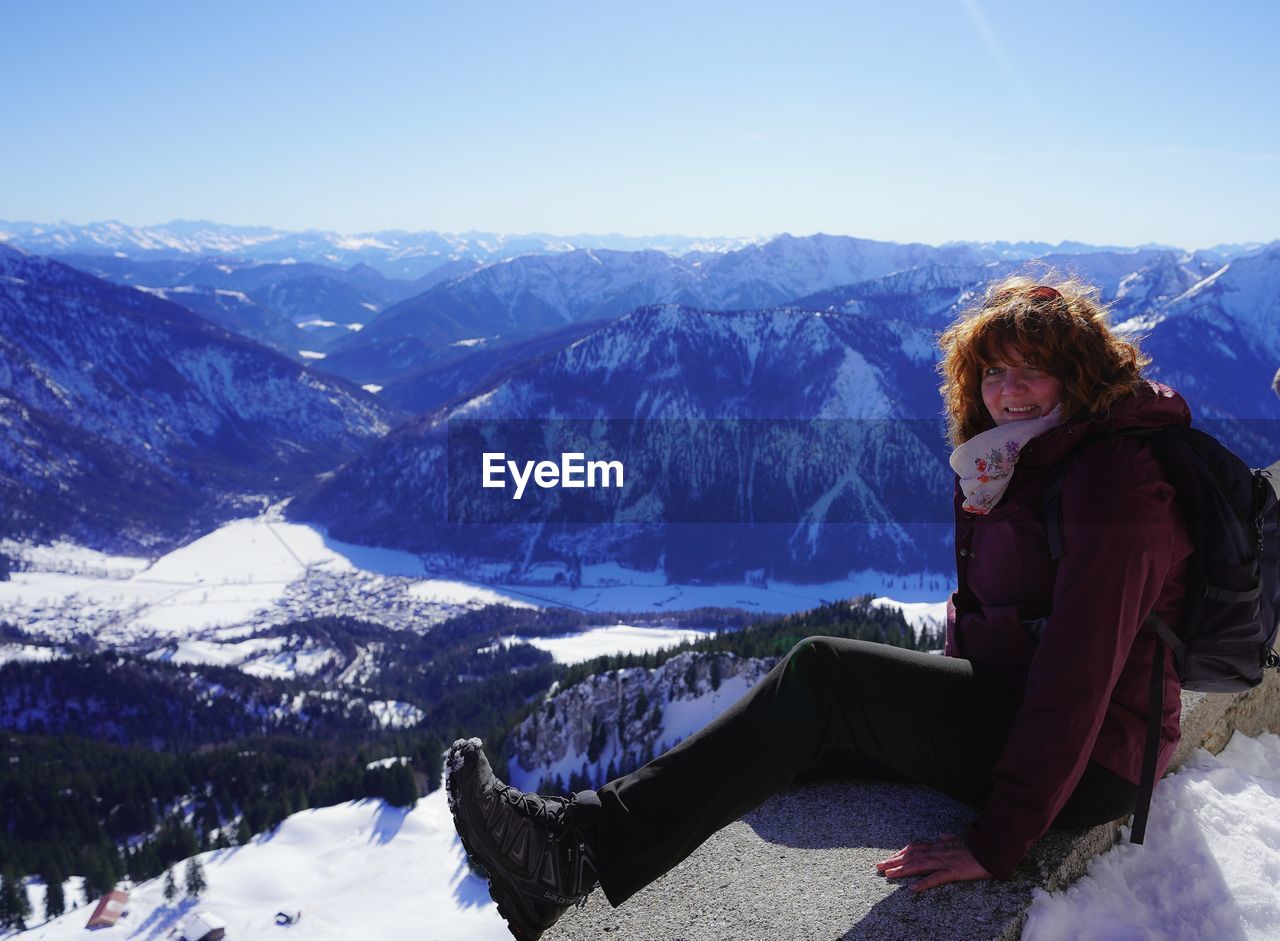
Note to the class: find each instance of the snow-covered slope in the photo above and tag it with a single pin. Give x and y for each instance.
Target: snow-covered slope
(363, 870)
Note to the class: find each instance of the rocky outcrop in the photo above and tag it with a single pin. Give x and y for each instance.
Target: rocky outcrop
(613, 722)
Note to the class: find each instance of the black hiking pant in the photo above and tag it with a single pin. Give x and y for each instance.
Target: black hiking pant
(888, 712)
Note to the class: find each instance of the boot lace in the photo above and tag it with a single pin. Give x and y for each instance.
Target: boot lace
(556, 814)
(550, 811)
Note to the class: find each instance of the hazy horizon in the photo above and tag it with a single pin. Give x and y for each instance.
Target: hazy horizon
(691, 236)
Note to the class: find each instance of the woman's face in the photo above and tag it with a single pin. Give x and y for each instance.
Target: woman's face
(1014, 389)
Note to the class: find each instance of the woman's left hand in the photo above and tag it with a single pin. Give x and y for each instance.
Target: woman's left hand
(946, 859)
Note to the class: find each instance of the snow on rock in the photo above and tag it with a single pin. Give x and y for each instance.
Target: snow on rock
(623, 716)
(308, 660)
(395, 715)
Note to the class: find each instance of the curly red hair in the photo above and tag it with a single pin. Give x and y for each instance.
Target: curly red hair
(1059, 324)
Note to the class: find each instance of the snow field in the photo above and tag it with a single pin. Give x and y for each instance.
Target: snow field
(1209, 868)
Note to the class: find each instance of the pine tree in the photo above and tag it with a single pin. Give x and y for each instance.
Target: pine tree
(55, 901)
(170, 886)
(14, 904)
(195, 878)
(403, 787)
(99, 879)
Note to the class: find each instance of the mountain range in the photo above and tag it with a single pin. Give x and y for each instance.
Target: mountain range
(397, 253)
(806, 365)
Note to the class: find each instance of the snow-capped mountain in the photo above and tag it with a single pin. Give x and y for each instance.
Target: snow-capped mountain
(930, 296)
(540, 292)
(1245, 291)
(1218, 342)
(787, 267)
(513, 298)
(127, 418)
(765, 424)
(934, 294)
(397, 254)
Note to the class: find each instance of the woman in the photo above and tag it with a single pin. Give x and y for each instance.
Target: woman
(1036, 716)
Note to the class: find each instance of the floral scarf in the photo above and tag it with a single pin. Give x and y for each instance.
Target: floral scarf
(985, 462)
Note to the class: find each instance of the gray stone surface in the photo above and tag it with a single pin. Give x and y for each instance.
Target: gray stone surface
(801, 866)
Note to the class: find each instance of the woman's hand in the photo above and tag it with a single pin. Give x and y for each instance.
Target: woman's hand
(946, 860)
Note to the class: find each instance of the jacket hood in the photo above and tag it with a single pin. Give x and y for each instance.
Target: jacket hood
(1152, 406)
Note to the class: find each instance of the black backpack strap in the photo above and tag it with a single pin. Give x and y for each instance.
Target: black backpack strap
(1155, 714)
(1232, 597)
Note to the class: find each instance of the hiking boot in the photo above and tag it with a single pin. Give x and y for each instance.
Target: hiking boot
(532, 848)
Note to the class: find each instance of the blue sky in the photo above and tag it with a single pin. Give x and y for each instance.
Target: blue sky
(1116, 122)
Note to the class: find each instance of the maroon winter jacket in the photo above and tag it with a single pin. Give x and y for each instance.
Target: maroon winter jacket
(1084, 684)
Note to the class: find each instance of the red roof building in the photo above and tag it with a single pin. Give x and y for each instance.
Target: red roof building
(109, 909)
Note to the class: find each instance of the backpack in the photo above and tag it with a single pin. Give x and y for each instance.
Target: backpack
(1229, 623)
